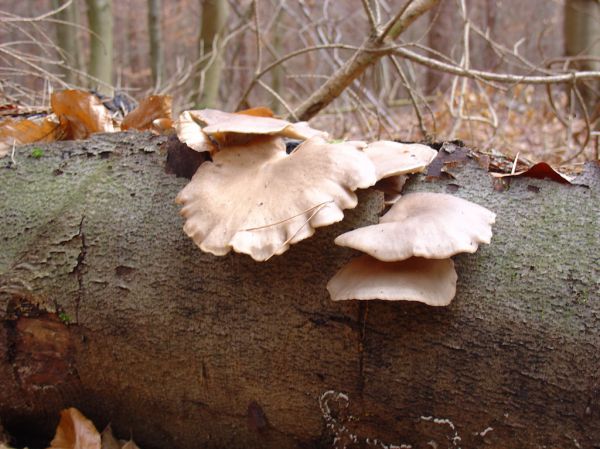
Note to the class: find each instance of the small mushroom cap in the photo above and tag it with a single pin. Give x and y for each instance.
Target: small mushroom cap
(430, 281)
(423, 224)
(258, 200)
(393, 158)
(219, 122)
(189, 131)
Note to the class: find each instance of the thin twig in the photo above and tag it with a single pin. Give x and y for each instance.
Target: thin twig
(370, 16)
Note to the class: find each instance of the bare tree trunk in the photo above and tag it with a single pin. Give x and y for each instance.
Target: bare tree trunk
(214, 17)
(582, 38)
(156, 41)
(100, 20)
(106, 305)
(67, 40)
(371, 50)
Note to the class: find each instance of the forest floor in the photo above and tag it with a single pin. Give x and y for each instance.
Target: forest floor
(520, 126)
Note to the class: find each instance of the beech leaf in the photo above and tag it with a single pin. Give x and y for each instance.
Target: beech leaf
(150, 109)
(75, 431)
(81, 114)
(24, 131)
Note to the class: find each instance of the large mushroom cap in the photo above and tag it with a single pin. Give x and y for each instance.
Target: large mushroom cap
(219, 122)
(258, 200)
(430, 225)
(430, 281)
(393, 158)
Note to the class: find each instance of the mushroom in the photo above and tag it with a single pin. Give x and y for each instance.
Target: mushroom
(418, 234)
(238, 128)
(430, 281)
(393, 158)
(189, 131)
(257, 200)
(423, 224)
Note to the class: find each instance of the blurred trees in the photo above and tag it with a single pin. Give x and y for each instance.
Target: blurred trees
(66, 39)
(433, 80)
(100, 22)
(210, 47)
(157, 60)
(582, 43)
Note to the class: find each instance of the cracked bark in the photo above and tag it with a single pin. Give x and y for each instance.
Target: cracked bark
(78, 270)
(176, 346)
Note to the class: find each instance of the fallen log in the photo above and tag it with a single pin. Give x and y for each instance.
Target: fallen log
(107, 306)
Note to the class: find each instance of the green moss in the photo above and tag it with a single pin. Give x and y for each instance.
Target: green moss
(65, 318)
(37, 153)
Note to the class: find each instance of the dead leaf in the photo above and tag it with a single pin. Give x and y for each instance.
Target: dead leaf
(80, 114)
(19, 132)
(449, 154)
(75, 431)
(541, 170)
(152, 108)
(130, 445)
(260, 111)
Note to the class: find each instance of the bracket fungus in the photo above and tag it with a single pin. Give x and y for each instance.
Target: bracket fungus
(430, 281)
(256, 199)
(237, 128)
(189, 131)
(418, 229)
(423, 224)
(394, 158)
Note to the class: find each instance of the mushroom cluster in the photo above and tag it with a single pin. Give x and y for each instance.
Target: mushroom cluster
(255, 198)
(408, 252)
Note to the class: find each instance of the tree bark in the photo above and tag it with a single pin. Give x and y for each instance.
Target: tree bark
(107, 306)
(100, 21)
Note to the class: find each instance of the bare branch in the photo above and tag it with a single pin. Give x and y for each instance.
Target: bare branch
(370, 15)
(505, 78)
(359, 62)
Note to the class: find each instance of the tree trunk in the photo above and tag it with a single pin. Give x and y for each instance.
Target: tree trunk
(156, 41)
(582, 38)
(100, 21)
(214, 18)
(107, 306)
(67, 40)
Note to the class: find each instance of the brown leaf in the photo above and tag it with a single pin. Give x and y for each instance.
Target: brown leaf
(130, 445)
(449, 154)
(81, 114)
(75, 431)
(540, 170)
(19, 132)
(152, 108)
(260, 111)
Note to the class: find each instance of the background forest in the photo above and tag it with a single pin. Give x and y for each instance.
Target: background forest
(234, 54)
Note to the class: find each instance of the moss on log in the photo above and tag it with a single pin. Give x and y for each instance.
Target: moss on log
(107, 306)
